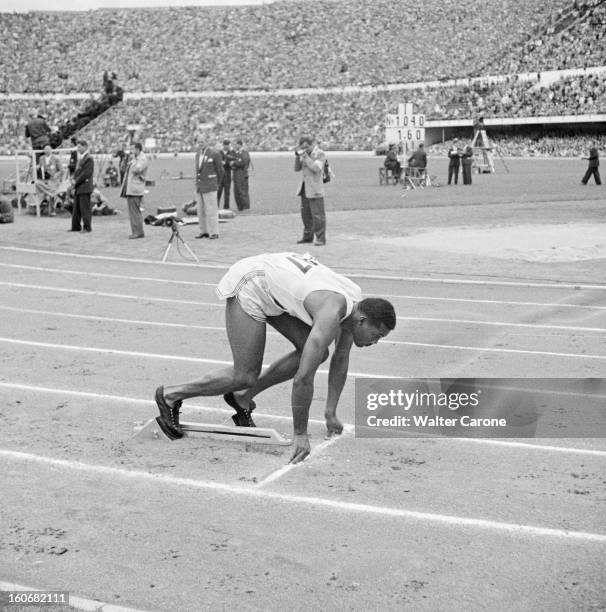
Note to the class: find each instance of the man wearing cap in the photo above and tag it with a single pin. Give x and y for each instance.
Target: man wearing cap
(83, 187)
(454, 157)
(38, 131)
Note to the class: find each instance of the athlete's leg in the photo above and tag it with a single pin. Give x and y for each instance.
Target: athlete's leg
(286, 367)
(247, 341)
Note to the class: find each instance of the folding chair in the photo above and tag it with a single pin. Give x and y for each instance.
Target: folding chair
(415, 178)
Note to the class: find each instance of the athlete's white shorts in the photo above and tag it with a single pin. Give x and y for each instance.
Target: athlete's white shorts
(246, 281)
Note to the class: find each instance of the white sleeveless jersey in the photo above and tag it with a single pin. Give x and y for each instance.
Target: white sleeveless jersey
(292, 277)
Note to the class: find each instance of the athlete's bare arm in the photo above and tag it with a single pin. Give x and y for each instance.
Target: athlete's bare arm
(327, 309)
(337, 376)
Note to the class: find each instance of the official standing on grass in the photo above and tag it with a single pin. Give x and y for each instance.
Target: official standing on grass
(454, 161)
(227, 156)
(133, 188)
(209, 175)
(594, 162)
(83, 187)
(466, 162)
(240, 167)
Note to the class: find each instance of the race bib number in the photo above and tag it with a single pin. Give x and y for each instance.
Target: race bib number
(303, 262)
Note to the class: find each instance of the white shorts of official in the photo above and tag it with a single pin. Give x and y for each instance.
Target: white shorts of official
(246, 281)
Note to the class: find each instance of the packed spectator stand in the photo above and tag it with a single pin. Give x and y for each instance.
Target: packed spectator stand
(236, 75)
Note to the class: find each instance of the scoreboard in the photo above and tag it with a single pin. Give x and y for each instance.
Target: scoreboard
(405, 127)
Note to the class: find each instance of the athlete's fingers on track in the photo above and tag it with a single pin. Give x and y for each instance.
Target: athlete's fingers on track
(299, 454)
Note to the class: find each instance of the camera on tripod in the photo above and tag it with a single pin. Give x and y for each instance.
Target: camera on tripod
(167, 219)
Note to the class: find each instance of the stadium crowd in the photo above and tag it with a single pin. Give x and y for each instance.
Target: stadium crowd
(574, 37)
(341, 121)
(267, 46)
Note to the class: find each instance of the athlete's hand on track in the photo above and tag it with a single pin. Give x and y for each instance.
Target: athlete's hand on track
(334, 427)
(302, 448)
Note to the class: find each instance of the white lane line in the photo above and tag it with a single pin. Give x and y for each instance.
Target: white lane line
(154, 279)
(480, 349)
(217, 328)
(448, 347)
(114, 258)
(506, 324)
(543, 447)
(68, 315)
(316, 451)
(80, 603)
(90, 349)
(121, 399)
(450, 281)
(499, 302)
(340, 506)
(481, 283)
(220, 304)
(122, 296)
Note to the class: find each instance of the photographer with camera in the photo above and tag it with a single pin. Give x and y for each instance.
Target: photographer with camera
(310, 159)
(240, 166)
(228, 155)
(133, 188)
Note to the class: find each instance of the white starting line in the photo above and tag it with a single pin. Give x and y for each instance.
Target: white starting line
(317, 450)
(291, 499)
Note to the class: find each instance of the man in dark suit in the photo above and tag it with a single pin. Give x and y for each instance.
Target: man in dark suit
(73, 157)
(594, 162)
(240, 168)
(209, 175)
(418, 160)
(83, 187)
(227, 156)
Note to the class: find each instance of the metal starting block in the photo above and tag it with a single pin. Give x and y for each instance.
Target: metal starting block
(259, 435)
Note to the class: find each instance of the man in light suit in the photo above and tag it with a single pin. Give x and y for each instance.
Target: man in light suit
(83, 187)
(50, 173)
(133, 188)
(209, 175)
(310, 160)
